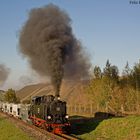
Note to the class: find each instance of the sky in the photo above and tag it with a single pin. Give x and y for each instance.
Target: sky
(108, 29)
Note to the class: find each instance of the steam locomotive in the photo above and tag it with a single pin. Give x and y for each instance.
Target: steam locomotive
(49, 112)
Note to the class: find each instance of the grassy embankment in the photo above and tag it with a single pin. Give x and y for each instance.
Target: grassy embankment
(9, 131)
(127, 128)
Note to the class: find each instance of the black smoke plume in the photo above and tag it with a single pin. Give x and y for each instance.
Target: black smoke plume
(4, 72)
(47, 41)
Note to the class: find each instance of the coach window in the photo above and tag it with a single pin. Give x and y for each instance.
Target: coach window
(11, 109)
(18, 111)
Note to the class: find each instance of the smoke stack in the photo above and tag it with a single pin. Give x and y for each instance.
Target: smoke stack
(47, 41)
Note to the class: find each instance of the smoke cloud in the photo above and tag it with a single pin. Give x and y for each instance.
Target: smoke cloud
(4, 72)
(25, 80)
(52, 50)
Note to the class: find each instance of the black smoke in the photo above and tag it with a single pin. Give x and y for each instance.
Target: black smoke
(4, 72)
(47, 41)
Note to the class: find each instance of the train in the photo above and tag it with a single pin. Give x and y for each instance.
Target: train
(47, 112)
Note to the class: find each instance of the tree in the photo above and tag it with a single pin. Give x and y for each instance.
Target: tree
(10, 96)
(97, 72)
(126, 78)
(127, 70)
(1, 97)
(134, 77)
(107, 69)
(114, 72)
(114, 93)
(111, 72)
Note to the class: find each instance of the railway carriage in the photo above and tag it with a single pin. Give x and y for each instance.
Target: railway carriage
(1, 106)
(16, 110)
(24, 112)
(4, 107)
(9, 108)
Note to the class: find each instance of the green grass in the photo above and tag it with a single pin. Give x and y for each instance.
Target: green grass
(127, 128)
(9, 131)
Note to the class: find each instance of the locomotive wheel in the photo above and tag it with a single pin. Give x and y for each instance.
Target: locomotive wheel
(49, 128)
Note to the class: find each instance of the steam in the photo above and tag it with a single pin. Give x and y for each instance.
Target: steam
(51, 48)
(4, 72)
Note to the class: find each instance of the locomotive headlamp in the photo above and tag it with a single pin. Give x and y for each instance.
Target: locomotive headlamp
(66, 116)
(49, 117)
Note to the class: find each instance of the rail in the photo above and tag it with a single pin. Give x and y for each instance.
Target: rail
(68, 137)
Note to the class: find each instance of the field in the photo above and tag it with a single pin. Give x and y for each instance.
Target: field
(127, 128)
(9, 131)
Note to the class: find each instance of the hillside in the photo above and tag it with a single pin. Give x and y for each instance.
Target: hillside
(127, 128)
(71, 92)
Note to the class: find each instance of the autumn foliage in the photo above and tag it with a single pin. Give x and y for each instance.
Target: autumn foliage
(113, 92)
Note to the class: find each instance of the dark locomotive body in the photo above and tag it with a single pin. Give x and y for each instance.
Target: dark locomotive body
(49, 113)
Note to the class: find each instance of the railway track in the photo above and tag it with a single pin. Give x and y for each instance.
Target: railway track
(36, 132)
(67, 137)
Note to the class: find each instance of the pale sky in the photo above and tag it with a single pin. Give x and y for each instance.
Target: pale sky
(108, 29)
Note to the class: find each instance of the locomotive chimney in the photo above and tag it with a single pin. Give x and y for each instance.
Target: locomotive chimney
(57, 95)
